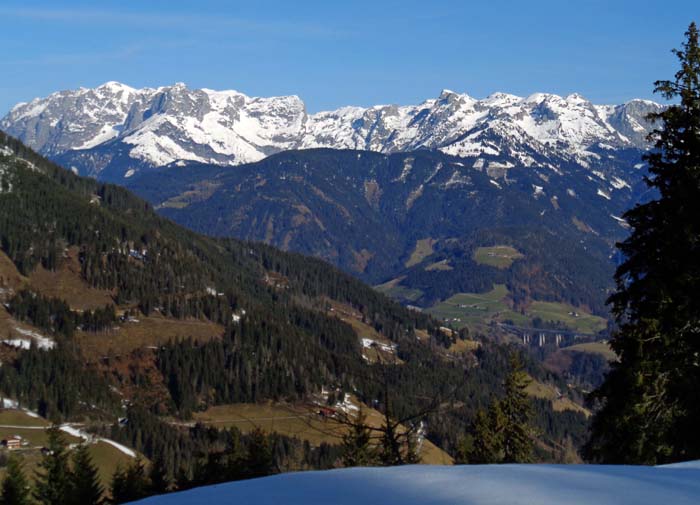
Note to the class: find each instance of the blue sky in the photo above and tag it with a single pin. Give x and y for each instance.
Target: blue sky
(334, 53)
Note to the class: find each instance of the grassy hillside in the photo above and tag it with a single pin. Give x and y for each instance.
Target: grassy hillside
(476, 310)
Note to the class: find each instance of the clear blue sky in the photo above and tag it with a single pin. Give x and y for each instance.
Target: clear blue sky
(334, 53)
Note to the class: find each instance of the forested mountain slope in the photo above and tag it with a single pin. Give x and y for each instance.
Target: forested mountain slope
(113, 311)
(416, 220)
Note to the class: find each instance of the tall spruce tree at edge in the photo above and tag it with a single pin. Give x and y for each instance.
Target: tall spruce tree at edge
(15, 488)
(53, 477)
(86, 488)
(650, 400)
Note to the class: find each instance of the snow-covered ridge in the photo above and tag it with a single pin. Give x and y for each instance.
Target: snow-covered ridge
(459, 485)
(158, 126)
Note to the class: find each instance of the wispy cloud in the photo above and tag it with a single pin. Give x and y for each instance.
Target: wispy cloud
(86, 57)
(187, 21)
(78, 58)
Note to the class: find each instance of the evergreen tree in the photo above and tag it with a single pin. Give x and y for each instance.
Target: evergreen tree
(130, 484)
(504, 433)
(516, 407)
(53, 478)
(484, 443)
(259, 460)
(158, 476)
(15, 490)
(650, 409)
(357, 449)
(86, 487)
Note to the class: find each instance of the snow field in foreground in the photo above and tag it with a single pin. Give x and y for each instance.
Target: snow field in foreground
(460, 485)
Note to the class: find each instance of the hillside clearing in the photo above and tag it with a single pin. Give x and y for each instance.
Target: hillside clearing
(559, 402)
(499, 256)
(474, 309)
(67, 284)
(395, 290)
(300, 421)
(602, 348)
(153, 330)
(423, 249)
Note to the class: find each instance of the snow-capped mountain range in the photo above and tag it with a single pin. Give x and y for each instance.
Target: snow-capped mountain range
(120, 130)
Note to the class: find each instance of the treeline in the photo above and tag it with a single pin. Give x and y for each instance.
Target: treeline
(54, 316)
(314, 278)
(260, 358)
(205, 456)
(200, 455)
(58, 385)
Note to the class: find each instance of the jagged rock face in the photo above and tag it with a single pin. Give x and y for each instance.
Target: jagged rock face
(119, 130)
(156, 126)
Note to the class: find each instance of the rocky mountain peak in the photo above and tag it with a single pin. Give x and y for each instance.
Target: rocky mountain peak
(94, 128)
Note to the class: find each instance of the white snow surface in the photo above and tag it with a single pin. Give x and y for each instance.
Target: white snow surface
(9, 403)
(368, 342)
(78, 433)
(40, 340)
(173, 123)
(119, 446)
(460, 485)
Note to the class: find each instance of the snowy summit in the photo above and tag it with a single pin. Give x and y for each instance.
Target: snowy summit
(152, 127)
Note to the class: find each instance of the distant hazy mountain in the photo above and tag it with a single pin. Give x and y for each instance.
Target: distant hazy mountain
(114, 131)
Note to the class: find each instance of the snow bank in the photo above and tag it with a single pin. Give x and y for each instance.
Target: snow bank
(460, 485)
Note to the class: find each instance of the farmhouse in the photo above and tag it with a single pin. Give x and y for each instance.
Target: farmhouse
(12, 443)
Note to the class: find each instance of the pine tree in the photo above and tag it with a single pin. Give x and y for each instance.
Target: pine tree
(357, 449)
(484, 443)
(130, 484)
(86, 487)
(259, 461)
(650, 408)
(53, 478)
(158, 476)
(517, 432)
(504, 432)
(15, 490)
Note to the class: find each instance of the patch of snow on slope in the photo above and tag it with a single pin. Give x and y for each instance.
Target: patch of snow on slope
(41, 341)
(9, 403)
(119, 446)
(618, 183)
(459, 485)
(620, 221)
(78, 433)
(107, 132)
(406, 170)
(368, 342)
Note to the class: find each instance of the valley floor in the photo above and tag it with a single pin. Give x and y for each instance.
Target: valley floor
(461, 485)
